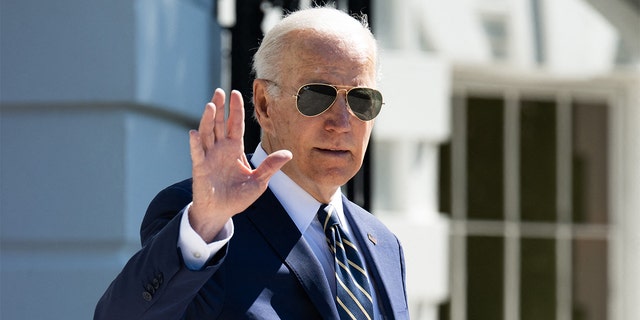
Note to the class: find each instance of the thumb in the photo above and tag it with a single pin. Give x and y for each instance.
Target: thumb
(272, 164)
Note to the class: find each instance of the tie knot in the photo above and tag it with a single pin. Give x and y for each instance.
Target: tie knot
(327, 216)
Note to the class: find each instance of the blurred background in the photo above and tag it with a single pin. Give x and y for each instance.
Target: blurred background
(506, 157)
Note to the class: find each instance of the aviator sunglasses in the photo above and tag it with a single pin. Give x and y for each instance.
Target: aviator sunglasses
(315, 98)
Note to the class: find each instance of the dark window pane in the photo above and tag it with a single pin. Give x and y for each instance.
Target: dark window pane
(538, 161)
(590, 280)
(485, 277)
(590, 149)
(485, 135)
(444, 310)
(538, 279)
(444, 179)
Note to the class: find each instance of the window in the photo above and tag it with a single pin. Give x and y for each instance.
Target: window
(525, 183)
(496, 31)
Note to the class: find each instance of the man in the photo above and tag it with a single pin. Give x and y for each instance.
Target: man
(236, 242)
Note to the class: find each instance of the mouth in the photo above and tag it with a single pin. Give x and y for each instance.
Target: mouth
(332, 151)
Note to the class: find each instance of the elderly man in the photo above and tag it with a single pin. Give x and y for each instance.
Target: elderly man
(270, 235)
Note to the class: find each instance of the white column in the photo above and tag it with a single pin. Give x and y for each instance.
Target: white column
(628, 246)
(96, 100)
(413, 122)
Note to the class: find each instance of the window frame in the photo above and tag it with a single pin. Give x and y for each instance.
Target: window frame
(513, 86)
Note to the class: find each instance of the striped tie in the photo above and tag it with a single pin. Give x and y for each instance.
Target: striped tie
(352, 284)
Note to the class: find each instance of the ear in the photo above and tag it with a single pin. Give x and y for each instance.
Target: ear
(262, 103)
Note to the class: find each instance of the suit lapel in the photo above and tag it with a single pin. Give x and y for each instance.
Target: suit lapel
(381, 254)
(277, 228)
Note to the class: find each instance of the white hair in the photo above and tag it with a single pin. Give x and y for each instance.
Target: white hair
(267, 62)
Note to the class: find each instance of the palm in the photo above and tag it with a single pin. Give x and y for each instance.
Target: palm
(224, 183)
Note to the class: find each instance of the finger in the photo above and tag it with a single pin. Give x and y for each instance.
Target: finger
(205, 129)
(244, 161)
(271, 165)
(218, 127)
(235, 123)
(195, 148)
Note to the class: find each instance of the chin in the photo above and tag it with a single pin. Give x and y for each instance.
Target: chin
(335, 176)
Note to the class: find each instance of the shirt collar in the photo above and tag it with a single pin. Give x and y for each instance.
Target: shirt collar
(300, 205)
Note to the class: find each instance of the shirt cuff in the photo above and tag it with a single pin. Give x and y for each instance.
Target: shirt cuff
(195, 251)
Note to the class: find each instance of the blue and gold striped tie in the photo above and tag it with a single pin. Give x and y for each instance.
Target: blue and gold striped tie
(352, 283)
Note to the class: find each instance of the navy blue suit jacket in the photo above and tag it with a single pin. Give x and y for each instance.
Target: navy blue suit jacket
(266, 271)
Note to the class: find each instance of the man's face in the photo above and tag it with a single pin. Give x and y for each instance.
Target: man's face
(328, 149)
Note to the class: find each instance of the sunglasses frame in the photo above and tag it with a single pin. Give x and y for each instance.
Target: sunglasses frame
(297, 96)
(337, 93)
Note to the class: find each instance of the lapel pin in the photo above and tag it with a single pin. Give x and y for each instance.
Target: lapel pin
(372, 238)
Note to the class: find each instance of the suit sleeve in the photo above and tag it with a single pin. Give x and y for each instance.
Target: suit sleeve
(155, 283)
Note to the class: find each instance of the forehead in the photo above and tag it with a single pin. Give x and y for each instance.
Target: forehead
(314, 56)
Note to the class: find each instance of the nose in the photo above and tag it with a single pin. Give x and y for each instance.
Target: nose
(339, 116)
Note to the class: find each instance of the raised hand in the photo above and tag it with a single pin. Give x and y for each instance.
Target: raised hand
(224, 183)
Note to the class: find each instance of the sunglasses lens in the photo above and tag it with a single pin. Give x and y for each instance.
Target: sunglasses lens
(365, 103)
(313, 99)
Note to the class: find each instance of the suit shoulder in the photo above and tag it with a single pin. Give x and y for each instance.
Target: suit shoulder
(165, 206)
(363, 216)
(175, 194)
